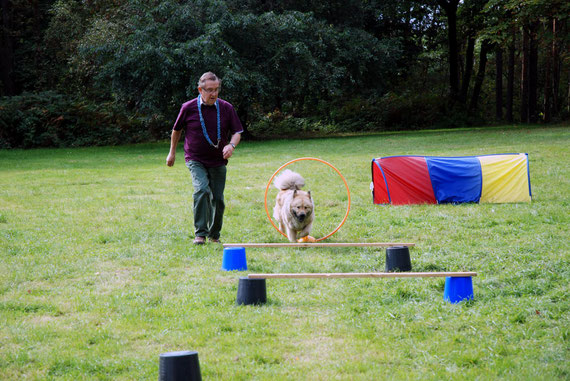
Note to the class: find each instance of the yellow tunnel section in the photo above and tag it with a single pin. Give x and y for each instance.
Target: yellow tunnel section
(505, 178)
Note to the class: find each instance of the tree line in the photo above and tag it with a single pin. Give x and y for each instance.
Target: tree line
(112, 71)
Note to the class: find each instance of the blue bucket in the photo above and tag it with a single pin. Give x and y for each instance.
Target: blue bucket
(234, 259)
(458, 289)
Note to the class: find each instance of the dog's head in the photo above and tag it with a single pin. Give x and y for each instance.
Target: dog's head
(301, 205)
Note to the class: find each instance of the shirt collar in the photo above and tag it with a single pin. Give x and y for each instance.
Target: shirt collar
(202, 102)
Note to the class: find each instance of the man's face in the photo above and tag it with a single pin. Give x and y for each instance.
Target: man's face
(209, 92)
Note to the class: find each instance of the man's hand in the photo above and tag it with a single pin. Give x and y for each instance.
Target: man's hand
(170, 159)
(228, 151)
(173, 142)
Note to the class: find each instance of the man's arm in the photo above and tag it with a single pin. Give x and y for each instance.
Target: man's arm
(229, 149)
(174, 138)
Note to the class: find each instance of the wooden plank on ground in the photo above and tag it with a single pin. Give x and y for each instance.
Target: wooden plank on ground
(362, 275)
(324, 244)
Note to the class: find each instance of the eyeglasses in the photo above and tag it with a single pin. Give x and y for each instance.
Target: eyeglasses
(211, 91)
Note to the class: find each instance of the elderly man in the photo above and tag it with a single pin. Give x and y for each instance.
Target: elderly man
(212, 132)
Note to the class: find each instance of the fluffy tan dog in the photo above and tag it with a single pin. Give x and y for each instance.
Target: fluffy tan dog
(294, 208)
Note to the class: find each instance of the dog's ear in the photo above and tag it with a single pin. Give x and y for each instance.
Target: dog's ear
(309, 194)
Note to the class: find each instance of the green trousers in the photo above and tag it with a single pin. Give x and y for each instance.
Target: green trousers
(208, 207)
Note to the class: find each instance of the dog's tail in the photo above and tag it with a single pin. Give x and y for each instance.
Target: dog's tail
(289, 180)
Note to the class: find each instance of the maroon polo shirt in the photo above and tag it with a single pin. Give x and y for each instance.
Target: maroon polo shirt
(196, 147)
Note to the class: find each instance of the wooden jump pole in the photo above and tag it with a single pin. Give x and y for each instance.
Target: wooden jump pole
(318, 244)
(361, 275)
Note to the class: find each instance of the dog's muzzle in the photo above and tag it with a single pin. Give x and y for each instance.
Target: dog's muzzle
(300, 216)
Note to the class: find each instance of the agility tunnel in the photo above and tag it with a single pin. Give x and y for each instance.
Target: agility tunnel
(500, 178)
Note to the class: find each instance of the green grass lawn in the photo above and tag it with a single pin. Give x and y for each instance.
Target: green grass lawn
(98, 275)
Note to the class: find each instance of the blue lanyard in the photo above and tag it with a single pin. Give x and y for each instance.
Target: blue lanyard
(204, 124)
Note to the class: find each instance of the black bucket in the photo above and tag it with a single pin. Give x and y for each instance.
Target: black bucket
(251, 291)
(179, 366)
(398, 259)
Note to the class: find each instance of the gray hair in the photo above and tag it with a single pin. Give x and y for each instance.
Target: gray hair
(209, 76)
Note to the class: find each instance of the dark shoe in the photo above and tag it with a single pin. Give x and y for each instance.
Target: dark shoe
(199, 241)
(215, 240)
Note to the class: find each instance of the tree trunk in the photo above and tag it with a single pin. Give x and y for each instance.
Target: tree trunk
(533, 74)
(7, 50)
(524, 76)
(556, 67)
(511, 78)
(450, 8)
(499, 83)
(480, 75)
(468, 69)
(548, 79)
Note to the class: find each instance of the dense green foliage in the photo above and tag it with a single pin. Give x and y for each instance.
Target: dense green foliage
(289, 67)
(99, 275)
(50, 119)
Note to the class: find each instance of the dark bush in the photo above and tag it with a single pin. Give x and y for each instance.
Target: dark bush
(50, 119)
(289, 126)
(388, 113)
(400, 112)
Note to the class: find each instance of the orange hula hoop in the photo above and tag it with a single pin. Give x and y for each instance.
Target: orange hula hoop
(321, 161)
